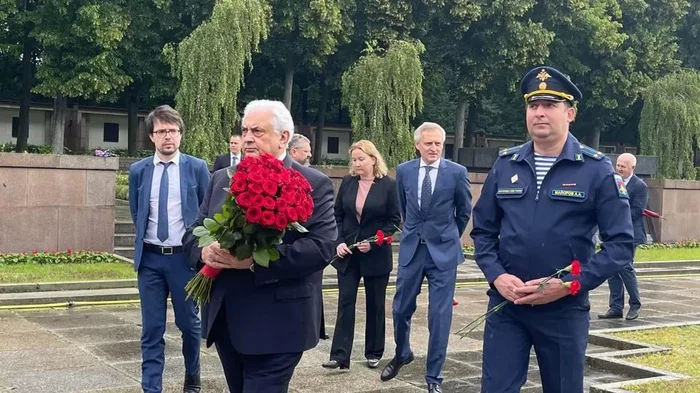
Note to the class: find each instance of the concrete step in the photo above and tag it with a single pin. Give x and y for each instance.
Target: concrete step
(124, 227)
(67, 286)
(124, 240)
(126, 252)
(51, 297)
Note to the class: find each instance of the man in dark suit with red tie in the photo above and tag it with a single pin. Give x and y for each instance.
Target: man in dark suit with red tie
(262, 319)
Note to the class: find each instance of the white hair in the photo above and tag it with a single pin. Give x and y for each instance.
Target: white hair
(297, 140)
(282, 120)
(427, 126)
(632, 159)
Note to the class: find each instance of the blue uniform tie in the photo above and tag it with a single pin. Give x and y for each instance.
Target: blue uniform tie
(426, 190)
(163, 204)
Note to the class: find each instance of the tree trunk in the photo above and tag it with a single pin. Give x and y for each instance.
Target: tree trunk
(58, 123)
(133, 120)
(27, 82)
(594, 138)
(471, 122)
(459, 129)
(288, 85)
(318, 137)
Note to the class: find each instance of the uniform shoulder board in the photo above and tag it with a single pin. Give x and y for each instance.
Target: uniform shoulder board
(509, 151)
(591, 152)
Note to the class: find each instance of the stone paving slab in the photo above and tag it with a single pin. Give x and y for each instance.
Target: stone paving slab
(96, 349)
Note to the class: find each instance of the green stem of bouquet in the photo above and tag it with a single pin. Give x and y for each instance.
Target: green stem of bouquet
(475, 323)
(199, 289)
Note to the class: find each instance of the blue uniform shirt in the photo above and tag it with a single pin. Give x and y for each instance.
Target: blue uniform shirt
(531, 234)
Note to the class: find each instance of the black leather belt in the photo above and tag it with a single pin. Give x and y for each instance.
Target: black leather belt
(163, 250)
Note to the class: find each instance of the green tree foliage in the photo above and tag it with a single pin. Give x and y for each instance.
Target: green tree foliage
(210, 67)
(78, 42)
(382, 92)
(670, 123)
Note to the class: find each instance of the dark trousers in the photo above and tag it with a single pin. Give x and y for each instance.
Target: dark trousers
(559, 336)
(159, 275)
(441, 290)
(252, 373)
(375, 296)
(626, 278)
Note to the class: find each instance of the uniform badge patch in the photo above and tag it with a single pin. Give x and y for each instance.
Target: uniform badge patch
(621, 189)
(514, 178)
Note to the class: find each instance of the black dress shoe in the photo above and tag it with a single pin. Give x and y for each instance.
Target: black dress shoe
(434, 388)
(392, 369)
(611, 314)
(193, 384)
(325, 337)
(633, 313)
(333, 364)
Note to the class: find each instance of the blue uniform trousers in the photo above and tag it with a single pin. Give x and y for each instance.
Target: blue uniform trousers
(441, 289)
(159, 275)
(559, 335)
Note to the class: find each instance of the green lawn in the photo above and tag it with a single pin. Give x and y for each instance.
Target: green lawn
(685, 344)
(29, 273)
(667, 254)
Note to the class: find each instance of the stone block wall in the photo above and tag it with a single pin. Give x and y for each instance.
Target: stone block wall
(56, 202)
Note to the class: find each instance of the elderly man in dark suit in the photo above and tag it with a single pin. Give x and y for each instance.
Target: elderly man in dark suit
(627, 278)
(262, 319)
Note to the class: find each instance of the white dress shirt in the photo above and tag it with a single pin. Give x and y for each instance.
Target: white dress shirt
(627, 180)
(238, 159)
(176, 225)
(421, 176)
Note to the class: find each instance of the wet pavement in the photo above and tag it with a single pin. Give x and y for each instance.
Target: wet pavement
(96, 349)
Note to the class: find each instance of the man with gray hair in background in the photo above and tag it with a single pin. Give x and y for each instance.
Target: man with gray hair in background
(639, 196)
(300, 149)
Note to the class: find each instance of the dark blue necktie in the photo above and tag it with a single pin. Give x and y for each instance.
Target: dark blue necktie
(163, 204)
(426, 192)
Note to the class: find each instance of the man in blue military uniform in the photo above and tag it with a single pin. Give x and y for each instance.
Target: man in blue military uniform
(537, 213)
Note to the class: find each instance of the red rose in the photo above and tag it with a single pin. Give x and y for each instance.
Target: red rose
(274, 177)
(269, 203)
(281, 204)
(240, 176)
(245, 164)
(255, 187)
(576, 267)
(253, 215)
(574, 287)
(268, 218)
(245, 200)
(380, 237)
(259, 201)
(256, 177)
(270, 188)
(292, 214)
(281, 221)
(238, 186)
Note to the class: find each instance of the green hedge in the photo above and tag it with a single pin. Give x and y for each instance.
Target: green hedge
(683, 244)
(58, 257)
(46, 149)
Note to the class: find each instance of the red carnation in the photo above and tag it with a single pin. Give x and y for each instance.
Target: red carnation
(388, 240)
(576, 267)
(574, 287)
(380, 237)
(253, 215)
(245, 200)
(268, 218)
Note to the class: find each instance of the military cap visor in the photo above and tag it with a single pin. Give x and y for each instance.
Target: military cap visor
(547, 83)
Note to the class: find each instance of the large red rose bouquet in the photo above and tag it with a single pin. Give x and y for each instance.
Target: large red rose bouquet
(264, 200)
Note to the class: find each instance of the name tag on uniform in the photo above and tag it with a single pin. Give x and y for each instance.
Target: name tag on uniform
(569, 194)
(510, 191)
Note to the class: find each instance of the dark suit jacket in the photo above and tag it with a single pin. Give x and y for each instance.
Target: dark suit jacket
(442, 223)
(275, 309)
(222, 161)
(194, 180)
(381, 211)
(639, 197)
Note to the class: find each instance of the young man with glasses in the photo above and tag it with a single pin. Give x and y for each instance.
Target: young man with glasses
(165, 192)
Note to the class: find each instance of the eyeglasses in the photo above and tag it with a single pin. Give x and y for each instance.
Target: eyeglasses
(162, 133)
